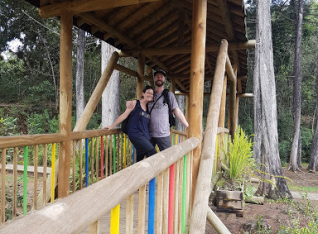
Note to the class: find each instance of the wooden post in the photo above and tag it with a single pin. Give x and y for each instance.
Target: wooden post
(65, 102)
(140, 77)
(223, 104)
(202, 191)
(222, 123)
(232, 104)
(236, 111)
(197, 79)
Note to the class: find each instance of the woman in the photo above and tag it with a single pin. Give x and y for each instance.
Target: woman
(138, 132)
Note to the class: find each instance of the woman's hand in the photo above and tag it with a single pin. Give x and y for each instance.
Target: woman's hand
(130, 105)
(108, 127)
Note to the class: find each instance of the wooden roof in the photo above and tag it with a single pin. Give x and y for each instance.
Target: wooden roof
(160, 29)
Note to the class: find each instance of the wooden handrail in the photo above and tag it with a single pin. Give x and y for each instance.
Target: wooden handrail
(94, 133)
(24, 140)
(38, 139)
(77, 211)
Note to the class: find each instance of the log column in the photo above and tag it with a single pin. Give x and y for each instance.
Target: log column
(197, 80)
(140, 78)
(232, 104)
(65, 102)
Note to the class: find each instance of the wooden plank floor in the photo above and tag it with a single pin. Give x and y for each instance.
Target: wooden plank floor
(104, 223)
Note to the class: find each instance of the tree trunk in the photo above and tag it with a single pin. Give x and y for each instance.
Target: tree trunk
(264, 66)
(111, 96)
(180, 100)
(257, 109)
(80, 100)
(294, 154)
(313, 162)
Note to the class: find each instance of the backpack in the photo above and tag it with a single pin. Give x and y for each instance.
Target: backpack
(172, 116)
(126, 122)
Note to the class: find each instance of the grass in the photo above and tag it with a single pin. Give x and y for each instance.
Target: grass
(302, 188)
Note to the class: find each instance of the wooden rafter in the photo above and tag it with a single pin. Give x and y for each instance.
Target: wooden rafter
(187, 48)
(105, 27)
(80, 6)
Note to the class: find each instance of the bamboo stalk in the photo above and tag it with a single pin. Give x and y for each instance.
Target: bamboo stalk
(3, 184)
(142, 209)
(94, 228)
(44, 175)
(92, 160)
(130, 214)
(96, 160)
(73, 160)
(159, 197)
(165, 201)
(15, 182)
(35, 173)
(81, 164)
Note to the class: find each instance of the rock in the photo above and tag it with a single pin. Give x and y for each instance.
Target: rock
(253, 227)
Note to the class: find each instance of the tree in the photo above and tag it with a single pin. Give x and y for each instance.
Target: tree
(110, 97)
(296, 146)
(80, 97)
(313, 162)
(264, 78)
(180, 100)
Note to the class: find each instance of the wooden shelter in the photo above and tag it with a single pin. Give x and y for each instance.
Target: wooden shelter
(193, 41)
(161, 31)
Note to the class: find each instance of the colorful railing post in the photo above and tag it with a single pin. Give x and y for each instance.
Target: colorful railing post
(114, 220)
(53, 173)
(151, 207)
(86, 160)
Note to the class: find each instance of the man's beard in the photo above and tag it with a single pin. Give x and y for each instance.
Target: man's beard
(159, 83)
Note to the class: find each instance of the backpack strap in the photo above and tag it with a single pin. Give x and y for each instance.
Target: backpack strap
(153, 105)
(165, 93)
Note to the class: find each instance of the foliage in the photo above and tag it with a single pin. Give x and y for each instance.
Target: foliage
(239, 156)
(8, 126)
(306, 223)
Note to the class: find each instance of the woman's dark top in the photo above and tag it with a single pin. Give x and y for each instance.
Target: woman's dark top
(138, 125)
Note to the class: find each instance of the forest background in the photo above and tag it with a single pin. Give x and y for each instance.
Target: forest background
(29, 72)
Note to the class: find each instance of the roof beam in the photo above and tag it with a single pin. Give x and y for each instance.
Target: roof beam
(80, 6)
(105, 27)
(187, 48)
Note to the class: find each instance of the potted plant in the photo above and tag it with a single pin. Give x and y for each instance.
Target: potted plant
(238, 165)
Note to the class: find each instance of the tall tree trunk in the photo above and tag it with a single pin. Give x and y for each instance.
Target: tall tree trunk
(180, 100)
(257, 108)
(313, 162)
(80, 95)
(265, 73)
(110, 97)
(295, 151)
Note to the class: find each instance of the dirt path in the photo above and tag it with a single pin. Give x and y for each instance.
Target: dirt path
(272, 213)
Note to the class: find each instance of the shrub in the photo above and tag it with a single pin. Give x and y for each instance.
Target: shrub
(239, 156)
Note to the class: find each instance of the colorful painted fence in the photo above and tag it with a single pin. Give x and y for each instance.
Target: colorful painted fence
(168, 203)
(96, 154)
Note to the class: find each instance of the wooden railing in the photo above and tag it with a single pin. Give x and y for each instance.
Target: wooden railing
(95, 153)
(84, 208)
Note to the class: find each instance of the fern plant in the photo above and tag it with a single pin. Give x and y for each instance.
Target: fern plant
(239, 157)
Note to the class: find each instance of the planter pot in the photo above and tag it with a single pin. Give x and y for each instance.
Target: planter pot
(230, 202)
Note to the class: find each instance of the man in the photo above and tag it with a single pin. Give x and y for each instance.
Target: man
(159, 127)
